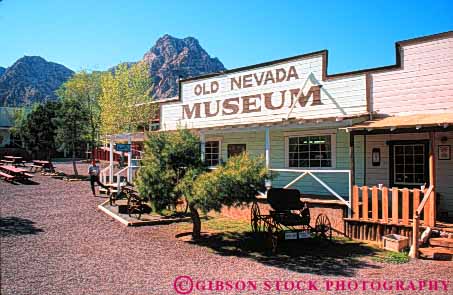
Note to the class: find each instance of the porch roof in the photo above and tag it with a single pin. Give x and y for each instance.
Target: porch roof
(409, 121)
(287, 122)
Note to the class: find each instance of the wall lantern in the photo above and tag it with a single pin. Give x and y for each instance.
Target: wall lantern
(376, 157)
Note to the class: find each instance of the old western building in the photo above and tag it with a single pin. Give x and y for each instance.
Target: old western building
(290, 111)
(253, 103)
(375, 131)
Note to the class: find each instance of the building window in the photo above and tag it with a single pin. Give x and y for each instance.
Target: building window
(310, 151)
(212, 153)
(409, 163)
(236, 149)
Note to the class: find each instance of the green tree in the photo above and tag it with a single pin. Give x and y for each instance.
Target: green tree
(167, 157)
(125, 100)
(37, 128)
(72, 127)
(236, 182)
(86, 89)
(172, 168)
(19, 129)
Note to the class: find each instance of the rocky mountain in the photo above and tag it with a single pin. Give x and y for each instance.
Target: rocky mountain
(171, 58)
(31, 79)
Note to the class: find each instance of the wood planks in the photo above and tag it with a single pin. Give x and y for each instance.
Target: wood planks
(385, 205)
(355, 202)
(395, 205)
(365, 202)
(405, 205)
(372, 204)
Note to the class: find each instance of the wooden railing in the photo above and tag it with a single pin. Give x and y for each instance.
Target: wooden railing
(392, 206)
(428, 203)
(103, 174)
(302, 173)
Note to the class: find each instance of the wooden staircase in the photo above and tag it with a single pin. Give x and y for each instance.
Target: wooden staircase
(439, 249)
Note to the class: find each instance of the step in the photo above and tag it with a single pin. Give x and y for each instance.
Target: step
(441, 242)
(436, 253)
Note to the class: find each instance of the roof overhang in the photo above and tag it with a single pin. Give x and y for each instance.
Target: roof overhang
(416, 122)
(345, 120)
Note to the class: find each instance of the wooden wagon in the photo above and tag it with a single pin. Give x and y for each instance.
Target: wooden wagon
(289, 219)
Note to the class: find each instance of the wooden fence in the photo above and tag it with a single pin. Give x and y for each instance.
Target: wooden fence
(390, 206)
(379, 211)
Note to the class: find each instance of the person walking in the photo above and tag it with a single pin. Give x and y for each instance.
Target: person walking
(93, 171)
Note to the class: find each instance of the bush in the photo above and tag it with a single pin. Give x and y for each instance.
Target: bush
(172, 168)
(232, 184)
(166, 159)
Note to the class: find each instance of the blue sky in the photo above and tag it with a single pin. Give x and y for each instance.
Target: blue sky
(98, 34)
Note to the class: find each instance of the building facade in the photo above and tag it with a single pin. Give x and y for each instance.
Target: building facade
(324, 133)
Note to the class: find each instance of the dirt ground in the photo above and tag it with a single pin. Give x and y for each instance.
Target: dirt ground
(55, 241)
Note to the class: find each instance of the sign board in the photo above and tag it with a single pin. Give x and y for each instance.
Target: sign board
(290, 236)
(123, 147)
(304, 235)
(296, 88)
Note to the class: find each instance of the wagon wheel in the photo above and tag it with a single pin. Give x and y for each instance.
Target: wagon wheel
(323, 227)
(134, 206)
(112, 199)
(256, 220)
(272, 236)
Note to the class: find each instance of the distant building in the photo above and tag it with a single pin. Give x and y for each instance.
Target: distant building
(6, 122)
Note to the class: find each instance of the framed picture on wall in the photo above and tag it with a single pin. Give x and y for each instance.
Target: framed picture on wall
(444, 152)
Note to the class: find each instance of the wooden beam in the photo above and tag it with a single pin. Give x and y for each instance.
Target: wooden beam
(267, 147)
(351, 167)
(374, 203)
(405, 205)
(385, 204)
(432, 180)
(365, 202)
(395, 205)
(416, 201)
(415, 228)
(355, 202)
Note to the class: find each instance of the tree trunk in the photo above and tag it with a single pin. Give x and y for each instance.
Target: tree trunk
(74, 166)
(196, 232)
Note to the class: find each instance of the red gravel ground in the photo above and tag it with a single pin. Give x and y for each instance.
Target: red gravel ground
(55, 241)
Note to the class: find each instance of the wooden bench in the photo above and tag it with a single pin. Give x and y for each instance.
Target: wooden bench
(36, 168)
(27, 175)
(6, 176)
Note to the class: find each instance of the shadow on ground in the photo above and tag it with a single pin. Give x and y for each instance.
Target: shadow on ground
(16, 226)
(314, 256)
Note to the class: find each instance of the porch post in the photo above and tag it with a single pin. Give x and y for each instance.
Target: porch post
(129, 160)
(352, 169)
(202, 146)
(267, 148)
(111, 162)
(432, 179)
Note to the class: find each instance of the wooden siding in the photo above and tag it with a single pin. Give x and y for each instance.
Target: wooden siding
(340, 97)
(444, 168)
(255, 146)
(424, 83)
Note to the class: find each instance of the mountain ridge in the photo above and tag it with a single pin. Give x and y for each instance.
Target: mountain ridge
(172, 58)
(32, 79)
